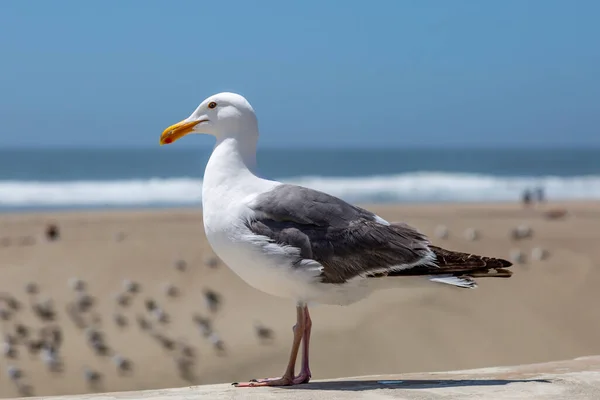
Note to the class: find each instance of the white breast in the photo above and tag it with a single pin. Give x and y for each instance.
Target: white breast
(263, 265)
(228, 188)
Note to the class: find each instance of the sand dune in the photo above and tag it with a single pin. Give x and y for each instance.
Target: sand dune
(546, 311)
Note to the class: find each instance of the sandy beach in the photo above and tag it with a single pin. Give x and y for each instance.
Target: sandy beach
(546, 311)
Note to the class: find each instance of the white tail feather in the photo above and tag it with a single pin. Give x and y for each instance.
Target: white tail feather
(460, 281)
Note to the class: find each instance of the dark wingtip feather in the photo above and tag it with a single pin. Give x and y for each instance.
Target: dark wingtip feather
(471, 264)
(457, 265)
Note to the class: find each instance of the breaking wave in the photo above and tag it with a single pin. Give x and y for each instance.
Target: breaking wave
(409, 187)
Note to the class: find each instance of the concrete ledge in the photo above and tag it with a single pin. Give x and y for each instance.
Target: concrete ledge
(571, 379)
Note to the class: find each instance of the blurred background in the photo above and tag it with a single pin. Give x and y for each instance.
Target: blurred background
(477, 122)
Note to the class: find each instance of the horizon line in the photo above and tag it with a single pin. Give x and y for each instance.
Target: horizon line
(458, 146)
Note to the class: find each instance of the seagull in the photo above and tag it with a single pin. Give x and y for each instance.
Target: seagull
(92, 377)
(120, 320)
(204, 324)
(130, 286)
(9, 350)
(122, 299)
(212, 300)
(471, 234)
(539, 254)
(77, 284)
(263, 332)
(441, 232)
(171, 290)
(211, 262)
(294, 242)
(123, 364)
(180, 265)
(50, 357)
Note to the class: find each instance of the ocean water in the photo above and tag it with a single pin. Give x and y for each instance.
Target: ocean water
(171, 176)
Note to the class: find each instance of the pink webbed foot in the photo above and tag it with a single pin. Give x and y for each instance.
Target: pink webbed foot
(281, 381)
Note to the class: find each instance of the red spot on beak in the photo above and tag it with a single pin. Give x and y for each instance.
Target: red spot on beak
(168, 140)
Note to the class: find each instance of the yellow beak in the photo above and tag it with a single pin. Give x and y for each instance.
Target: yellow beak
(177, 131)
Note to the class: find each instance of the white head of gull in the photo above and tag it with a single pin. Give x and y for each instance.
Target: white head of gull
(295, 242)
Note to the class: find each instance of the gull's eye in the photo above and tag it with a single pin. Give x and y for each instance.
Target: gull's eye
(212, 104)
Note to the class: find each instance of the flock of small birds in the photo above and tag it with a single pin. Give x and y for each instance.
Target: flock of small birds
(45, 341)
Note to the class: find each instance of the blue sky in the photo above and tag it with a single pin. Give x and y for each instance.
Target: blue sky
(319, 73)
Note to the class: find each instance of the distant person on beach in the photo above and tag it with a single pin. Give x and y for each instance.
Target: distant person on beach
(540, 196)
(526, 198)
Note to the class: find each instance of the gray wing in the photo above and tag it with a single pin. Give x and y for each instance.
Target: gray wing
(346, 240)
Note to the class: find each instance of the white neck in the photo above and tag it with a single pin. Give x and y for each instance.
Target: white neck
(232, 162)
(239, 152)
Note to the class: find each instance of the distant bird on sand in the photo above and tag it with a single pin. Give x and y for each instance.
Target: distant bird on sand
(15, 374)
(95, 339)
(52, 336)
(263, 333)
(44, 310)
(84, 302)
(92, 378)
(123, 364)
(166, 342)
(217, 342)
(180, 265)
(51, 359)
(472, 234)
(204, 324)
(5, 314)
(8, 338)
(160, 315)
(442, 232)
(143, 323)
(22, 331)
(539, 254)
(11, 302)
(120, 320)
(9, 349)
(122, 299)
(211, 262)
(170, 290)
(32, 288)
(34, 346)
(77, 284)
(130, 286)
(150, 305)
(517, 256)
(76, 316)
(212, 299)
(186, 350)
(295, 242)
(184, 367)
(521, 232)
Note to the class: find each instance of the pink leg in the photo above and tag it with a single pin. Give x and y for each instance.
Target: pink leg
(288, 377)
(305, 373)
